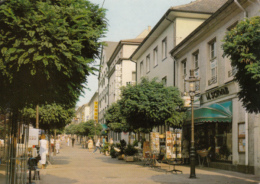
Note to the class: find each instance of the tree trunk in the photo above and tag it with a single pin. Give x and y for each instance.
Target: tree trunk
(54, 142)
(129, 138)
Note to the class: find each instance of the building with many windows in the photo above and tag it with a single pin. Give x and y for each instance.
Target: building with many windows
(152, 56)
(221, 122)
(106, 53)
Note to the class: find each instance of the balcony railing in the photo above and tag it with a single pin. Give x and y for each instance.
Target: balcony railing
(232, 72)
(213, 80)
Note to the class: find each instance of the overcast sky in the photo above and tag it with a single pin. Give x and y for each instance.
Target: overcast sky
(127, 19)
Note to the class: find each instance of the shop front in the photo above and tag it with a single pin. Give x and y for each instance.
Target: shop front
(213, 130)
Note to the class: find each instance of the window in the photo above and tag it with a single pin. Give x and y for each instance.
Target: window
(133, 76)
(213, 63)
(155, 56)
(148, 63)
(164, 81)
(184, 74)
(196, 59)
(141, 68)
(164, 48)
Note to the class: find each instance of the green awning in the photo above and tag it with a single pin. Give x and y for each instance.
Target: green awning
(217, 112)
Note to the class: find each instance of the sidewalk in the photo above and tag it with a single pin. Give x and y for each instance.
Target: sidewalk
(79, 166)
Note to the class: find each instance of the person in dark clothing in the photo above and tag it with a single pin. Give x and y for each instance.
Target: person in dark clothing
(73, 140)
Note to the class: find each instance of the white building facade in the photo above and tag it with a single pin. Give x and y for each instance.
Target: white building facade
(221, 122)
(152, 56)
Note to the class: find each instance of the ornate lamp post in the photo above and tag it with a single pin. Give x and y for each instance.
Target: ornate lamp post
(192, 81)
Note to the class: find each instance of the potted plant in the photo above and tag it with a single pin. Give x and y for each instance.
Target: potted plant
(130, 151)
(121, 146)
(105, 149)
(113, 152)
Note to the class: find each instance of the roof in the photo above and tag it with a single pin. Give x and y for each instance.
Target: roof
(180, 45)
(206, 6)
(198, 9)
(136, 40)
(109, 48)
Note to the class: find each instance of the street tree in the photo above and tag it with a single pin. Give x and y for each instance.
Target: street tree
(150, 103)
(242, 46)
(115, 120)
(47, 48)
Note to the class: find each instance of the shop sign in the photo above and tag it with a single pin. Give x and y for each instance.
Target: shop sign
(217, 93)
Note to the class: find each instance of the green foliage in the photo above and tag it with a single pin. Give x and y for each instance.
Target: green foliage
(149, 104)
(115, 120)
(88, 128)
(105, 147)
(113, 153)
(130, 150)
(242, 46)
(47, 48)
(122, 146)
(51, 116)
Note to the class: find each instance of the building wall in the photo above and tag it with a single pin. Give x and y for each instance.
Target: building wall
(164, 68)
(184, 26)
(215, 30)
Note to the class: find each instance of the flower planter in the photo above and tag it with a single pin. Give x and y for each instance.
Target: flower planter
(129, 158)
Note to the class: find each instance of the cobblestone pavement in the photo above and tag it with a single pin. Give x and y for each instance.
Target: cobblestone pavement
(80, 166)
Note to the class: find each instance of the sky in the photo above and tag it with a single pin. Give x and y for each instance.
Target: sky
(126, 20)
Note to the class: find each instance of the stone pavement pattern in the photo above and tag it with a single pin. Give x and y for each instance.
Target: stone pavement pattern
(79, 166)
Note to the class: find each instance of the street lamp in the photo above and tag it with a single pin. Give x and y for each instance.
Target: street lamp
(192, 82)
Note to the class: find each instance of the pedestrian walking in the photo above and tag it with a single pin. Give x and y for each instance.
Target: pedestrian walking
(97, 146)
(58, 145)
(43, 151)
(90, 144)
(52, 144)
(68, 141)
(73, 140)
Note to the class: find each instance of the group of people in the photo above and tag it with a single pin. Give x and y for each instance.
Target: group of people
(99, 145)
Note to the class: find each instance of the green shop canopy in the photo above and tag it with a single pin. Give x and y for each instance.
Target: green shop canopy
(217, 112)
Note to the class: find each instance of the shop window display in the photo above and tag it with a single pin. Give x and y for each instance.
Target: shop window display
(215, 137)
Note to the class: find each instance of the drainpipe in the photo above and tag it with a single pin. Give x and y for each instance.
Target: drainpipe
(240, 6)
(174, 71)
(246, 129)
(246, 113)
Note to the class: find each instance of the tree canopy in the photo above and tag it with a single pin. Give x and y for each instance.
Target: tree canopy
(89, 128)
(47, 49)
(115, 120)
(242, 45)
(150, 103)
(51, 116)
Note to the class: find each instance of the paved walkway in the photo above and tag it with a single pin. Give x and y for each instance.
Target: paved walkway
(79, 166)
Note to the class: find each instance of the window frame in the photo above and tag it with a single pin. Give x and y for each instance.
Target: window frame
(164, 48)
(155, 56)
(148, 60)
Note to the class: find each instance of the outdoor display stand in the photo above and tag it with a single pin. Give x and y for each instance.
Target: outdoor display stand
(173, 144)
(173, 148)
(155, 143)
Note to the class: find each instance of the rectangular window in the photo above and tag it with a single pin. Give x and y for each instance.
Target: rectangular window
(141, 68)
(184, 67)
(212, 49)
(148, 63)
(213, 62)
(164, 81)
(196, 59)
(164, 48)
(155, 56)
(133, 76)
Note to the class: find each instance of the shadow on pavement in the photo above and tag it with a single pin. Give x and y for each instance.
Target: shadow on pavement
(60, 160)
(51, 179)
(201, 179)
